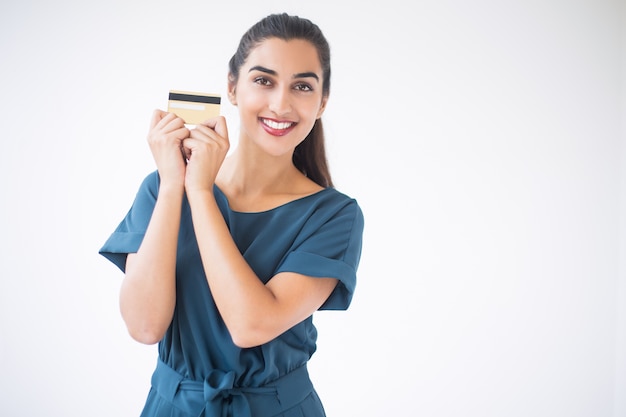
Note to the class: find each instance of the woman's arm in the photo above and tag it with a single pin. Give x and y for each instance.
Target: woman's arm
(254, 312)
(148, 292)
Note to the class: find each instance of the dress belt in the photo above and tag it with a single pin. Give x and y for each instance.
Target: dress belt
(221, 396)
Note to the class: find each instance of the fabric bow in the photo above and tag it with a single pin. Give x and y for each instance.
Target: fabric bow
(222, 397)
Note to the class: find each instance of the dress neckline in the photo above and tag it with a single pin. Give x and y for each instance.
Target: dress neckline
(285, 204)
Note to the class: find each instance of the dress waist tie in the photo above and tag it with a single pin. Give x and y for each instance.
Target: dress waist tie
(222, 398)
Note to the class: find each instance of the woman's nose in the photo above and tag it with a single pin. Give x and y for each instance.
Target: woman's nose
(280, 103)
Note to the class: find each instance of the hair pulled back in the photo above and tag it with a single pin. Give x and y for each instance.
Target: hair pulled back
(310, 155)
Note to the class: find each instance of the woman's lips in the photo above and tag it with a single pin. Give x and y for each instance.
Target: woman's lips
(277, 128)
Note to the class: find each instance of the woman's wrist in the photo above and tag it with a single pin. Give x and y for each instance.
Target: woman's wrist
(199, 193)
(171, 189)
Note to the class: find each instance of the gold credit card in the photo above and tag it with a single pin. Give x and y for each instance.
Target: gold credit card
(194, 108)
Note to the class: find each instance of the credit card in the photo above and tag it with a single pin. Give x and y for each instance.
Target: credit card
(194, 108)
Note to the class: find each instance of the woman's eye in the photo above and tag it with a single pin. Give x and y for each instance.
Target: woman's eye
(303, 87)
(262, 81)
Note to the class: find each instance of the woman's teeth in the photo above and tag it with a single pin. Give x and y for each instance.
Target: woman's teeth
(277, 125)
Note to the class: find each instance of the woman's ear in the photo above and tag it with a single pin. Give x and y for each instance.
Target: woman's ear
(322, 107)
(232, 97)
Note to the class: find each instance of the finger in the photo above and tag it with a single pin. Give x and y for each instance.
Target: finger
(176, 123)
(209, 122)
(218, 134)
(185, 148)
(209, 137)
(221, 127)
(172, 124)
(188, 145)
(181, 133)
(204, 133)
(218, 124)
(169, 122)
(157, 115)
(163, 119)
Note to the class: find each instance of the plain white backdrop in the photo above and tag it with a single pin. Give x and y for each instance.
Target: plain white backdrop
(484, 139)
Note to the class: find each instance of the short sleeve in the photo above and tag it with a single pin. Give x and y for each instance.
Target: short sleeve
(129, 234)
(332, 250)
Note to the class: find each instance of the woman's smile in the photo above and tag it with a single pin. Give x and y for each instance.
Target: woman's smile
(277, 128)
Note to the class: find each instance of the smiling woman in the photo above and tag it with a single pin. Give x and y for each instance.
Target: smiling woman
(280, 92)
(227, 258)
(484, 141)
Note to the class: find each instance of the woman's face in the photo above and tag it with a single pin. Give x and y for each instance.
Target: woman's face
(279, 94)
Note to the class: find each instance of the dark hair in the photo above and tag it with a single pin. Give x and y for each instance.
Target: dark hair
(310, 155)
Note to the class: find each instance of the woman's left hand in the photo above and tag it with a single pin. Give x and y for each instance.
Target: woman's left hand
(205, 150)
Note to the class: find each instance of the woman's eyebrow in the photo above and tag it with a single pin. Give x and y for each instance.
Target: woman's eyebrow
(307, 75)
(272, 72)
(263, 69)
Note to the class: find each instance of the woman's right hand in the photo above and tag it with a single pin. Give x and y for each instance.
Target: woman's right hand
(167, 132)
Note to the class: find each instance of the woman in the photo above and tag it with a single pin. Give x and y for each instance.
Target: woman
(227, 258)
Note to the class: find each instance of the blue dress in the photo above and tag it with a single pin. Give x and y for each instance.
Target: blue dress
(200, 371)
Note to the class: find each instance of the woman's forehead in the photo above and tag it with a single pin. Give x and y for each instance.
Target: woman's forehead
(285, 57)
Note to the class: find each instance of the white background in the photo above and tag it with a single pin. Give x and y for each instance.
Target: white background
(485, 141)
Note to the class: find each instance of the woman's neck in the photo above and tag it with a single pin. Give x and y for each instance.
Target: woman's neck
(246, 173)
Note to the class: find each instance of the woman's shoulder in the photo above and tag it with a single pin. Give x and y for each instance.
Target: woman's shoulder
(327, 199)
(333, 195)
(330, 203)
(150, 183)
(152, 178)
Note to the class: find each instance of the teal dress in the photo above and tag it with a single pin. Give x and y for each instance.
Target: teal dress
(200, 371)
